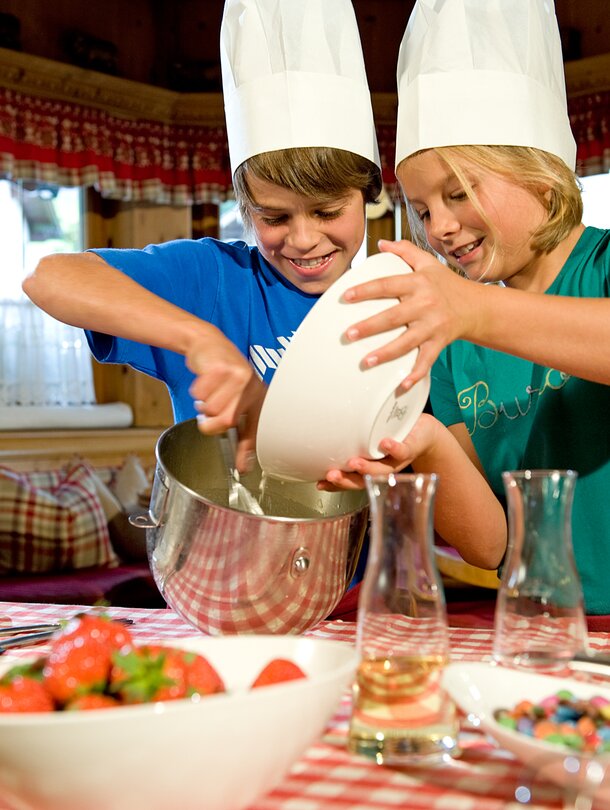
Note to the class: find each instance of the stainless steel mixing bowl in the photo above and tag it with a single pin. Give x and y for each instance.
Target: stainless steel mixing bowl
(227, 571)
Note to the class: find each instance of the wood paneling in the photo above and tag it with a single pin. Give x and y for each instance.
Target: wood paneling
(154, 38)
(376, 229)
(129, 25)
(50, 449)
(588, 75)
(205, 221)
(591, 20)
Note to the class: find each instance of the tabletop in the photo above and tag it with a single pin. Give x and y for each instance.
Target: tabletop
(327, 777)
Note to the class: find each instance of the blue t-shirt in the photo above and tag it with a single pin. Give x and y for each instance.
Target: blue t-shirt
(230, 285)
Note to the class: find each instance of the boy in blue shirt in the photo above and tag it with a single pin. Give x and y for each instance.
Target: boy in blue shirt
(211, 319)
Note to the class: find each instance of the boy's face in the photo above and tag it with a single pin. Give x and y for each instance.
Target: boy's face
(469, 237)
(311, 243)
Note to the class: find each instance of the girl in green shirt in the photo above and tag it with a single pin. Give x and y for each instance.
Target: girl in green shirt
(520, 358)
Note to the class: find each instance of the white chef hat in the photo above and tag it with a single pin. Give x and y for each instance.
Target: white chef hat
(482, 72)
(293, 76)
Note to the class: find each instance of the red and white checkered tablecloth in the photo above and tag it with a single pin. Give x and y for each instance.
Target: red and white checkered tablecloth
(327, 777)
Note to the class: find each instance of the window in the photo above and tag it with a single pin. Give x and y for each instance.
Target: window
(595, 196)
(230, 225)
(43, 363)
(36, 220)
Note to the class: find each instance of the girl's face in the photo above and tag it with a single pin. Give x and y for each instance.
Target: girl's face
(311, 243)
(457, 231)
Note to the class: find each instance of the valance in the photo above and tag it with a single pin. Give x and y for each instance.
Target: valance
(68, 144)
(590, 121)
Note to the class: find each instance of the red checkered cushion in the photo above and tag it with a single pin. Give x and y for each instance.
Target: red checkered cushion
(47, 479)
(59, 528)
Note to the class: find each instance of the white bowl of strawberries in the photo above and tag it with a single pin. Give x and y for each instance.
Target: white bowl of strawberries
(106, 724)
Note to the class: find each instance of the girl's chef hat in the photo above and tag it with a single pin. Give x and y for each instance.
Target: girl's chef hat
(482, 72)
(293, 75)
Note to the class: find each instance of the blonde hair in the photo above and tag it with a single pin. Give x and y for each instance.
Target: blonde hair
(543, 175)
(322, 173)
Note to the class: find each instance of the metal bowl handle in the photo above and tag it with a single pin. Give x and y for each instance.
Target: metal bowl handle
(143, 521)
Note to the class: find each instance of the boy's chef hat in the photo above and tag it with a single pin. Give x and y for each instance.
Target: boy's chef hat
(293, 75)
(482, 72)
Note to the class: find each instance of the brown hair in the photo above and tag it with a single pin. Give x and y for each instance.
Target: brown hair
(542, 174)
(319, 172)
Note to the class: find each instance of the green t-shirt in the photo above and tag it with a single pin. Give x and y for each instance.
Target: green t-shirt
(520, 415)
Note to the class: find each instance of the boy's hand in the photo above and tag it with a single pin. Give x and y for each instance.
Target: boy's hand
(227, 393)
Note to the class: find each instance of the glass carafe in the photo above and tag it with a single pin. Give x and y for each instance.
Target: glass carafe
(400, 711)
(540, 618)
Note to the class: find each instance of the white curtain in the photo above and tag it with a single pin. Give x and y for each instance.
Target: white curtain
(42, 362)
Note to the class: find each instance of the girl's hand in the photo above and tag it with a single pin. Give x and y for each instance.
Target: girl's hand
(227, 392)
(419, 442)
(433, 303)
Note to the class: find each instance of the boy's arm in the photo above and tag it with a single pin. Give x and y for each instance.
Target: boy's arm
(83, 290)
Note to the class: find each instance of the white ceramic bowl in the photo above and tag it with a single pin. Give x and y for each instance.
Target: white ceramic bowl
(219, 754)
(323, 407)
(480, 689)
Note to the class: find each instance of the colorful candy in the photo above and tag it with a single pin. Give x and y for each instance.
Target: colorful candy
(564, 719)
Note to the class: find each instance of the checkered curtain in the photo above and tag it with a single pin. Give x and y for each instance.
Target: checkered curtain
(590, 120)
(72, 145)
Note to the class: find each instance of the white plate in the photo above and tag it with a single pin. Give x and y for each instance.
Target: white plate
(323, 407)
(480, 689)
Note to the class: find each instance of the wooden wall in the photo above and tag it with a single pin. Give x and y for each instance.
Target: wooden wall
(160, 41)
(129, 24)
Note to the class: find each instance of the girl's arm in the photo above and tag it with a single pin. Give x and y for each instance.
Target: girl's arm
(467, 514)
(83, 290)
(564, 333)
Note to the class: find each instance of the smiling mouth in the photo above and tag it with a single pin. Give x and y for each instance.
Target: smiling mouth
(312, 265)
(465, 249)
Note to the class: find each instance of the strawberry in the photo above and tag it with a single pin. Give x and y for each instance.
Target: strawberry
(115, 634)
(202, 678)
(81, 656)
(277, 671)
(147, 673)
(154, 672)
(25, 694)
(93, 700)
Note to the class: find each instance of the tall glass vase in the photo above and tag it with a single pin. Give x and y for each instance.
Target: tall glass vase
(540, 618)
(400, 711)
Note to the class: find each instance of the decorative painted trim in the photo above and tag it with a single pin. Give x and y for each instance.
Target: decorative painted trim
(36, 76)
(589, 75)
